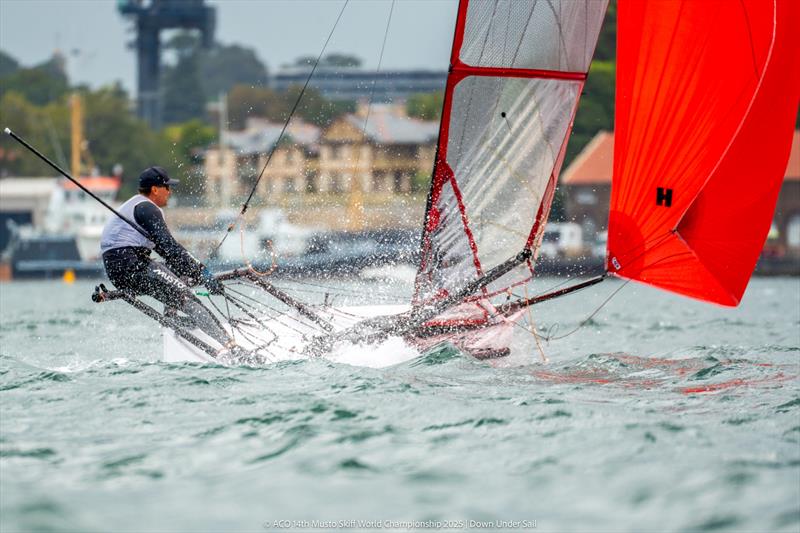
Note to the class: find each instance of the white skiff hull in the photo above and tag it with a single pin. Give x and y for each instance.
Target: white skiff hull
(284, 339)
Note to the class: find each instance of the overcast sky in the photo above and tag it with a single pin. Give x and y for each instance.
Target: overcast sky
(94, 36)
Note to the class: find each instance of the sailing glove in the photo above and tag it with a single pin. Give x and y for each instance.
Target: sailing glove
(213, 285)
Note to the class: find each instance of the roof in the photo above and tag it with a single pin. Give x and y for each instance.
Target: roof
(27, 187)
(595, 163)
(94, 183)
(386, 126)
(261, 135)
(793, 168)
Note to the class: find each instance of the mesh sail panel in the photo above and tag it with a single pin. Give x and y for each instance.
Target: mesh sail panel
(536, 34)
(505, 138)
(517, 71)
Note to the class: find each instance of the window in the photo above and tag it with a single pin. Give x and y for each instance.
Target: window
(793, 231)
(585, 197)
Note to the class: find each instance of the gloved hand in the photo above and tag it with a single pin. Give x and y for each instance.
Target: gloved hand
(213, 285)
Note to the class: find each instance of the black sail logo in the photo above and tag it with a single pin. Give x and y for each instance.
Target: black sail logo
(664, 196)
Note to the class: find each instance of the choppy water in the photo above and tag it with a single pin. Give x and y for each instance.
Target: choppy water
(661, 414)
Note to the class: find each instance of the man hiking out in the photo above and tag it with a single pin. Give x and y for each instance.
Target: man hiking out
(126, 256)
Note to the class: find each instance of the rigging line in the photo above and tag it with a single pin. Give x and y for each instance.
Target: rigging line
(228, 318)
(242, 307)
(381, 297)
(259, 325)
(646, 246)
(283, 323)
(283, 130)
(334, 291)
(261, 307)
(549, 289)
(525, 30)
(533, 330)
(585, 321)
(278, 316)
(355, 183)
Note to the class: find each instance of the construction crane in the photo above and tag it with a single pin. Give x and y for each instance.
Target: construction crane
(151, 17)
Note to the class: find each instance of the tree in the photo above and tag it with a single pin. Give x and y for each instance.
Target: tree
(247, 101)
(186, 143)
(304, 61)
(596, 108)
(425, 106)
(313, 107)
(8, 65)
(184, 97)
(606, 49)
(225, 66)
(40, 84)
(341, 60)
(26, 120)
(116, 136)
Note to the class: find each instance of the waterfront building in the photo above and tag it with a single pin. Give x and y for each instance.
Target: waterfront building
(353, 83)
(392, 156)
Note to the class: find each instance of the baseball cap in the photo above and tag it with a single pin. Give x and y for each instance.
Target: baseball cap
(155, 177)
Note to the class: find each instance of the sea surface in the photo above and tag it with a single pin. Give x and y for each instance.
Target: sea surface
(659, 414)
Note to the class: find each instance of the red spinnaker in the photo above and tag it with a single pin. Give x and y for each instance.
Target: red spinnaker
(707, 97)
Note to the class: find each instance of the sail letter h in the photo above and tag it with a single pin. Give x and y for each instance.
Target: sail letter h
(664, 197)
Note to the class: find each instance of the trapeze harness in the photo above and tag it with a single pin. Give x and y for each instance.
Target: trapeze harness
(126, 257)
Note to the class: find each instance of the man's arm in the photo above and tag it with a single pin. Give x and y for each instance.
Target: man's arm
(180, 261)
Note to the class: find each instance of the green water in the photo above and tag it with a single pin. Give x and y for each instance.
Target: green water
(662, 414)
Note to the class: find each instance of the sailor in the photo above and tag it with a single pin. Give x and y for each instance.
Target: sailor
(126, 256)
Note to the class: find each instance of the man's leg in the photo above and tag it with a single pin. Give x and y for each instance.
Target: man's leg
(162, 284)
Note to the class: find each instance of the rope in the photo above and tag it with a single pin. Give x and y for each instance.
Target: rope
(283, 130)
(585, 321)
(533, 330)
(356, 186)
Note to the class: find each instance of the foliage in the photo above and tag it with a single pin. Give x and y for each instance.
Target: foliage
(40, 84)
(184, 97)
(186, 143)
(114, 136)
(421, 182)
(199, 75)
(8, 65)
(596, 108)
(331, 60)
(314, 108)
(425, 106)
(606, 49)
(224, 66)
(45, 127)
(341, 60)
(245, 101)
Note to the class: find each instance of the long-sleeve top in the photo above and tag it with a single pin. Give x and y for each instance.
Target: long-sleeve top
(179, 260)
